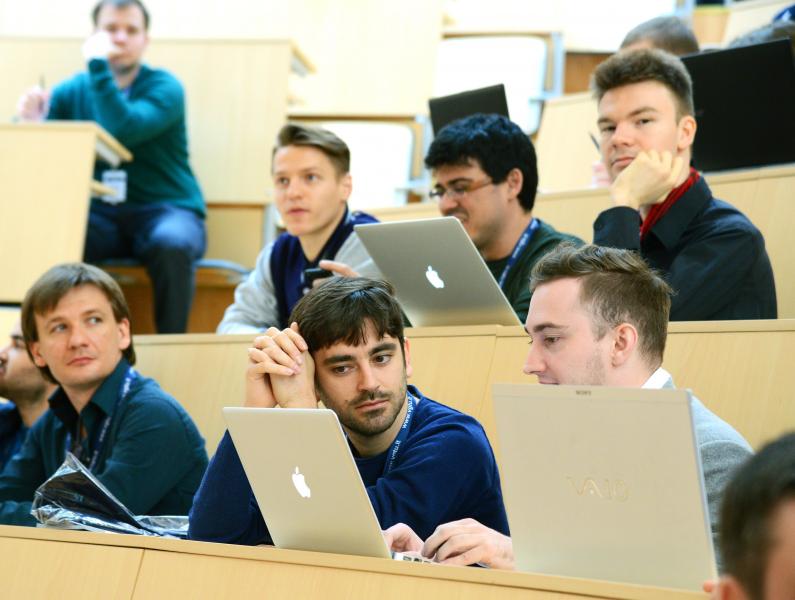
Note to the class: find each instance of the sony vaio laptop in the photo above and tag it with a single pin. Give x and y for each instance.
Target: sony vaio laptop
(446, 109)
(743, 99)
(439, 276)
(306, 482)
(604, 483)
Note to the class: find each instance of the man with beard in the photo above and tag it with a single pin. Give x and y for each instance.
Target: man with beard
(157, 215)
(26, 388)
(598, 316)
(422, 463)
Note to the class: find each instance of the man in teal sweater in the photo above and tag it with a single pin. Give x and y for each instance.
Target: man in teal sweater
(158, 213)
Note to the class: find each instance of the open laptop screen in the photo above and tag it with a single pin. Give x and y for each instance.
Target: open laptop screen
(488, 100)
(745, 106)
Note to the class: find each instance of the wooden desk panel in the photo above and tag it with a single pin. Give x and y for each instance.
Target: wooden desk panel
(181, 569)
(451, 364)
(32, 569)
(204, 372)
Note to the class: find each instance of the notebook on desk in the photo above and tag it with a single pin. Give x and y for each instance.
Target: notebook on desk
(439, 277)
(305, 480)
(604, 483)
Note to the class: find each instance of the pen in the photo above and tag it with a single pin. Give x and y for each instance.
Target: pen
(595, 142)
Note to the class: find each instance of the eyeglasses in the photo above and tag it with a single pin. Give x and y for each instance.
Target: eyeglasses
(457, 191)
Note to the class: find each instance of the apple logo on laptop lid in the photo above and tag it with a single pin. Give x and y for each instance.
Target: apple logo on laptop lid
(433, 278)
(300, 484)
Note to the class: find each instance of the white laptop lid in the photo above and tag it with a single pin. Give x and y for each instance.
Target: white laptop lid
(326, 510)
(439, 277)
(604, 483)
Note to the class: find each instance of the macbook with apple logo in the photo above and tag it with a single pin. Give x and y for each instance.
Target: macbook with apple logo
(439, 277)
(305, 480)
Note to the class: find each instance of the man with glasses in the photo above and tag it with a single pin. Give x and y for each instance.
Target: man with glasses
(486, 176)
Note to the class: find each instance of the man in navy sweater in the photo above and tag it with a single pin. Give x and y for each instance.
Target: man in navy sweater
(422, 463)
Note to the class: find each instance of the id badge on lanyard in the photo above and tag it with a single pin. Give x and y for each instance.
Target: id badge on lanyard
(394, 449)
(517, 250)
(115, 179)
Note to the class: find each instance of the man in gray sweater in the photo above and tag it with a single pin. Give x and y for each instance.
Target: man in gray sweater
(598, 316)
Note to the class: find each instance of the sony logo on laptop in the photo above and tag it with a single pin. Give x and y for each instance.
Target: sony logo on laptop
(433, 278)
(604, 489)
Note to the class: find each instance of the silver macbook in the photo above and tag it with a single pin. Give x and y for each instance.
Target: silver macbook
(439, 277)
(604, 483)
(306, 482)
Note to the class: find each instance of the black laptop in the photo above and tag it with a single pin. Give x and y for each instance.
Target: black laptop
(745, 106)
(488, 100)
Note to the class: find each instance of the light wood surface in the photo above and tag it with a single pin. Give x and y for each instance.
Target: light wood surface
(182, 569)
(204, 372)
(234, 232)
(45, 180)
(35, 569)
(564, 149)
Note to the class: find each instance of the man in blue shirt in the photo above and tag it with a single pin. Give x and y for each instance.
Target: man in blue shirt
(345, 347)
(27, 390)
(157, 216)
(136, 439)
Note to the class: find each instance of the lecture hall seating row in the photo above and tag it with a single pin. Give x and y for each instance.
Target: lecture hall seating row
(741, 370)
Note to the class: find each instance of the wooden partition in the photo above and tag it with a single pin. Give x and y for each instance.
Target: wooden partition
(564, 146)
(741, 370)
(207, 372)
(97, 565)
(46, 172)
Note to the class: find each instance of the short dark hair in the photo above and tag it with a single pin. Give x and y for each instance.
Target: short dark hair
(496, 143)
(340, 309)
(618, 287)
(337, 151)
(749, 504)
(667, 33)
(637, 66)
(776, 30)
(120, 4)
(47, 291)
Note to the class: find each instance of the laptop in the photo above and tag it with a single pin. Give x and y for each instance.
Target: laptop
(446, 109)
(744, 100)
(439, 277)
(604, 483)
(306, 482)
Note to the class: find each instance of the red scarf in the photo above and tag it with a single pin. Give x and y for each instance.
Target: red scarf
(658, 211)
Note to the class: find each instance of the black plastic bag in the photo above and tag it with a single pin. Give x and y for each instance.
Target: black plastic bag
(74, 499)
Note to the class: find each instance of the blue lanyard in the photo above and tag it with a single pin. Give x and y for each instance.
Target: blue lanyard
(518, 249)
(394, 449)
(103, 432)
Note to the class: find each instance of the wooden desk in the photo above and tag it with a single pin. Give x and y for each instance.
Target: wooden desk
(46, 172)
(42, 563)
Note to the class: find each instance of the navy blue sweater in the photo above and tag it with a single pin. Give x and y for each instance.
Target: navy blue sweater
(446, 471)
